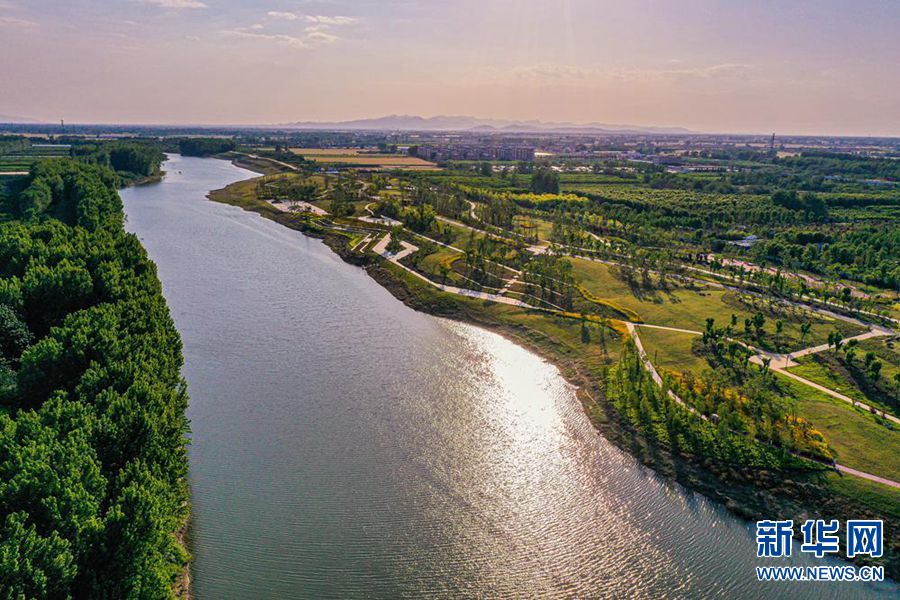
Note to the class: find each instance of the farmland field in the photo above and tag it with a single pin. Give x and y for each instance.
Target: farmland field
(354, 156)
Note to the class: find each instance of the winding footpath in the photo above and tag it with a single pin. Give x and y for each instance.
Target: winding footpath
(381, 249)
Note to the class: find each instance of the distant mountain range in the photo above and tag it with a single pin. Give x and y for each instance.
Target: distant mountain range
(462, 123)
(12, 119)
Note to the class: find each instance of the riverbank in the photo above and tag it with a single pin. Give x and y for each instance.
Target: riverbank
(751, 494)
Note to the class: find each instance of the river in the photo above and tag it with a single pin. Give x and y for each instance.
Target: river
(346, 446)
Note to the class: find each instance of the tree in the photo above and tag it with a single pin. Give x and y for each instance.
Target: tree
(32, 565)
(874, 370)
(835, 340)
(394, 246)
(545, 180)
(485, 169)
(14, 335)
(759, 321)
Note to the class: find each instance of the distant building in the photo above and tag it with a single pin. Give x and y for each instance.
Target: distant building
(473, 151)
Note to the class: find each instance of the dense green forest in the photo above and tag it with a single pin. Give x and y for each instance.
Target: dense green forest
(205, 146)
(92, 403)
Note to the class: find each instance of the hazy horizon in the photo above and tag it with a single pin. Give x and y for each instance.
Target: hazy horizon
(807, 68)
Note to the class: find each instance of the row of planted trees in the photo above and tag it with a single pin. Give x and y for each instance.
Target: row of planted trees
(723, 437)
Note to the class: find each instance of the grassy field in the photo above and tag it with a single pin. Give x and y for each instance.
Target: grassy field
(876, 496)
(243, 194)
(432, 263)
(20, 158)
(528, 226)
(353, 156)
(689, 308)
(671, 350)
(860, 442)
(810, 368)
(887, 351)
(463, 237)
(563, 335)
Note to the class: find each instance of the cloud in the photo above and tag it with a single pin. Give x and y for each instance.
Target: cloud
(308, 40)
(285, 16)
(547, 73)
(321, 37)
(176, 4)
(318, 19)
(316, 33)
(336, 20)
(732, 71)
(14, 22)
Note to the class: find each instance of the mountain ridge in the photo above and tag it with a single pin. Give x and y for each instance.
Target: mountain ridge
(478, 124)
(11, 119)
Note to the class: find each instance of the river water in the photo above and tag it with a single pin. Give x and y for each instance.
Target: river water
(346, 446)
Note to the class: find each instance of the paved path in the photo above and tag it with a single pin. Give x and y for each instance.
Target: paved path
(299, 206)
(386, 221)
(803, 297)
(509, 284)
(831, 392)
(538, 249)
(757, 359)
(381, 248)
(869, 476)
(690, 331)
(750, 267)
(456, 223)
(874, 332)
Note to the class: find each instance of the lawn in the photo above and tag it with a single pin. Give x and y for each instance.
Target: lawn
(353, 156)
(689, 308)
(671, 350)
(887, 351)
(432, 263)
(878, 496)
(810, 368)
(563, 334)
(860, 442)
(529, 226)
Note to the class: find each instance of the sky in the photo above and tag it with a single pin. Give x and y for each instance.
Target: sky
(789, 66)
